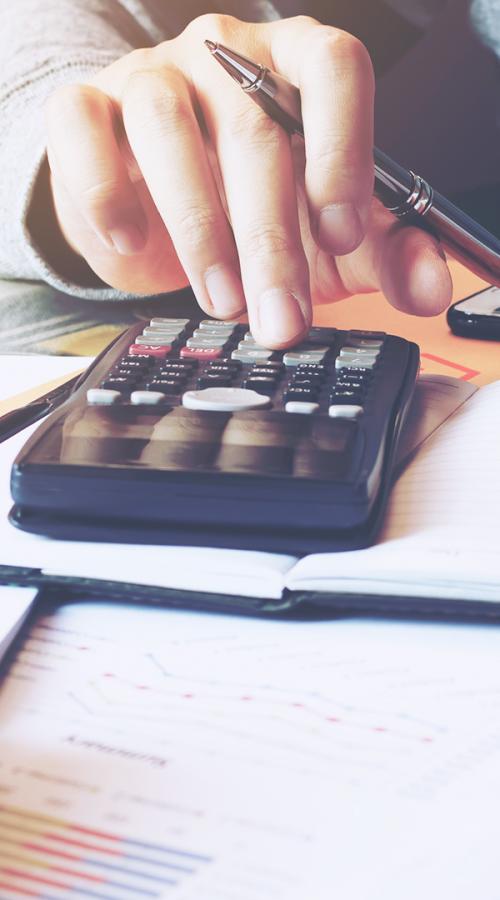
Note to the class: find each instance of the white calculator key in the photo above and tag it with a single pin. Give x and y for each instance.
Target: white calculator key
(102, 397)
(300, 406)
(224, 399)
(252, 354)
(146, 398)
(344, 411)
(173, 323)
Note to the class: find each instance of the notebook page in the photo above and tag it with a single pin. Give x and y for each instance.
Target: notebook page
(441, 533)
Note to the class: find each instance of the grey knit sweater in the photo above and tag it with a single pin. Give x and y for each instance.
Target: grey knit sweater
(44, 45)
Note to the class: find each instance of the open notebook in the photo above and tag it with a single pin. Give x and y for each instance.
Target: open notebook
(438, 551)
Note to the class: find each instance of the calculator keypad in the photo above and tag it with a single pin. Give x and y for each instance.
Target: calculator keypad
(209, 364)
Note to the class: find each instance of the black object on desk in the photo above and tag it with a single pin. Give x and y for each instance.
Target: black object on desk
(16, 419)
(187, 432)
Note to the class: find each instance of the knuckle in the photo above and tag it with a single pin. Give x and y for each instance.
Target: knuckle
(156, 104)
(69, 100)
(99, 196)
(304, 21)
(262, 240)
(345, 49)
(335, 151)
(196, 226)
(138, 58)
(210, 24)
(255, 129)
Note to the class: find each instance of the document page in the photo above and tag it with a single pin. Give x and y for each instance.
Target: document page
(161, 754)
(441, 533)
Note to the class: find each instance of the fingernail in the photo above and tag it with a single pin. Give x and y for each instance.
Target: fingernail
(339, 229)
(280, 317)
(225, 292)
(127, 239)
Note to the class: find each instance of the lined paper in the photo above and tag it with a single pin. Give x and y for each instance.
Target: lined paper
(441, 532)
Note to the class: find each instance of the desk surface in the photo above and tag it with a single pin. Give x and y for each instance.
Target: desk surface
(442, 352)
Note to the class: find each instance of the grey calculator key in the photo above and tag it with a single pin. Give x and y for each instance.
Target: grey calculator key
(297, 358)
(371, 352)
(250, 345)
(213, 329)
(174, 323)
(149, 340)
(161, 331)
(213, 323)
(355, 362)
(211, 340)
(253, 354)
(364, 342)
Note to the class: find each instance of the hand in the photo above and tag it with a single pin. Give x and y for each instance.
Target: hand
(163, 171)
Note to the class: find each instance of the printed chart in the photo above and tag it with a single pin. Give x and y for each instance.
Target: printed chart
(168, 754)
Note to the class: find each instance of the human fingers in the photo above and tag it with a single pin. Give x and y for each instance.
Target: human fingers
(85, 157)
(259, 185)
(165, 138)
(406, 263)
(334, 73)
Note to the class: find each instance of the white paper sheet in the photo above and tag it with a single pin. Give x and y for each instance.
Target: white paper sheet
(271, 760)
(21, 373)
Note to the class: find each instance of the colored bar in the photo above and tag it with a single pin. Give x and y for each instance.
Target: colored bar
(102, 835)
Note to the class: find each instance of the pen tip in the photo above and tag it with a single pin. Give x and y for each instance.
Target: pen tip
(211, 46)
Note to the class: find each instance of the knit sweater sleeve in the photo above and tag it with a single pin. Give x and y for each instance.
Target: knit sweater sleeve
(41, 47)
(59, 42)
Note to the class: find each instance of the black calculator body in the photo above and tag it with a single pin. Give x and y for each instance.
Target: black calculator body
(187, 432)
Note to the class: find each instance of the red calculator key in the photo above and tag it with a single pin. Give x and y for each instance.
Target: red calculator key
(205, 353)
(146, 350)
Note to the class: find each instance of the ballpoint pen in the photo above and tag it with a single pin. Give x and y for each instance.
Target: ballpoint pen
(20, 418)
(404, 193)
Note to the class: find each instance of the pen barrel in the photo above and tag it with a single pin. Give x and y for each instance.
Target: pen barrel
(466, 239)
(279, 99)
(405, 194)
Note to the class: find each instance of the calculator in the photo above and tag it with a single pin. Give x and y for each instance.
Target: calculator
(187, 431)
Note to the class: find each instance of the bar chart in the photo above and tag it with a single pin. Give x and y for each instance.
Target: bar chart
(51, 858)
